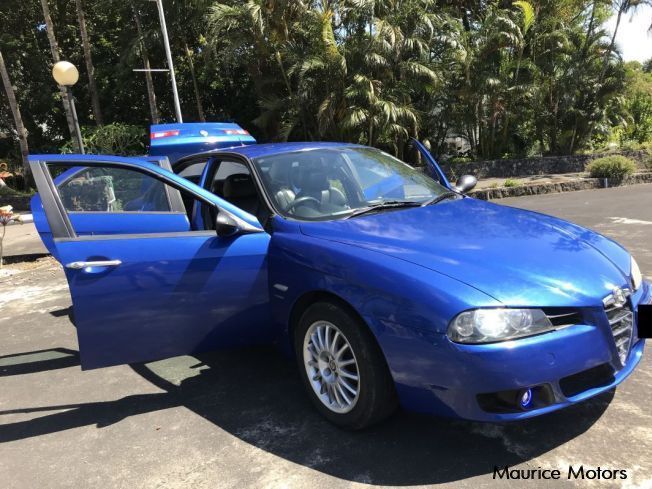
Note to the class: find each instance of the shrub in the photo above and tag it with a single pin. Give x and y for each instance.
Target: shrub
(630, 145)
(113, 139)
(511, 183)
(616, 167)
(459, 159)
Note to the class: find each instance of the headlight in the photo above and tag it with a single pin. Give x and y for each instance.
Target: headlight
(491, 325)
(637, 278)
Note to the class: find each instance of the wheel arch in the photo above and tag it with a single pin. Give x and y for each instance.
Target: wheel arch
(307, 299)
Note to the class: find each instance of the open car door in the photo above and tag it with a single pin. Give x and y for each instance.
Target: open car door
(141, 293)
(433, 168)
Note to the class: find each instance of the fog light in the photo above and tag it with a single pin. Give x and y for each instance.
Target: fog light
(525, 398)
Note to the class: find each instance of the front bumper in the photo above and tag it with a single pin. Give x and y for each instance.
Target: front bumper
(453, 377)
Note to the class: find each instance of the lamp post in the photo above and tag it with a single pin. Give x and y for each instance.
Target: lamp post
(66, 75)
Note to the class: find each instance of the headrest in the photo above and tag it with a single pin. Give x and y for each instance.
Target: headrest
(217, 187)
(314, 181)
(238, 185)
(278, 172)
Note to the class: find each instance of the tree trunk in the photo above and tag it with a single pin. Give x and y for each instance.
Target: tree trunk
(90, 69)
(624, 6)
(589, 30)
(151, 94)
(18, 119)
(54, 48)
(200, 107)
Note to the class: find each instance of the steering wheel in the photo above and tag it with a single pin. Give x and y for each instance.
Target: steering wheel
(299, 201)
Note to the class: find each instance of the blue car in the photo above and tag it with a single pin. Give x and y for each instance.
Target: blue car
(387, 284)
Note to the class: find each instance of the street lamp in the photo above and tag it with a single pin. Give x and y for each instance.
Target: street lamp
(66, 75)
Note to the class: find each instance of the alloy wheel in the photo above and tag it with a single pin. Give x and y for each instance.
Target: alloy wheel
(331, 367)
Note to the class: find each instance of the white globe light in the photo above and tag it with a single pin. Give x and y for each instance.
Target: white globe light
(65, 73)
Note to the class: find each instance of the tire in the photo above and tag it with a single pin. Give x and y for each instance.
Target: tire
(324, 374)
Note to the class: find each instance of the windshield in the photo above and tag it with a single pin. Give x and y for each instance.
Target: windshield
(334, 183)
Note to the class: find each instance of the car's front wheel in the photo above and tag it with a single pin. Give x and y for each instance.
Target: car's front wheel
(342, 367)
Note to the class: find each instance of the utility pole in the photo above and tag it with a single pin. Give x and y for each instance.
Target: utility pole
(168, 54)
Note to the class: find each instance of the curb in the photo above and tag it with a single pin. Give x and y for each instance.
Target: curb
(556, 187)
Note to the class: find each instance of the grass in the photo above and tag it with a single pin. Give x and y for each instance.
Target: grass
(511, 183)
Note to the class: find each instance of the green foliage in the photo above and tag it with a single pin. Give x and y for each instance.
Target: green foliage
(615, 166)
(516, 78)
(511, 183)
(637, 106)
(114, 139)
(459, 159)
(528, 14)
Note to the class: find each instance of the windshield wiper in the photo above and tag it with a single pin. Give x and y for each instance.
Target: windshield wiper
(439, 198)
(388, 204)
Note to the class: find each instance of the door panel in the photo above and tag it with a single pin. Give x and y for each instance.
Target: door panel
(433, 168)
(170, 295)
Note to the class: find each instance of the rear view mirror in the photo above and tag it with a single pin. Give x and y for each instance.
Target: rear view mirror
(466, 183)
(225, 225)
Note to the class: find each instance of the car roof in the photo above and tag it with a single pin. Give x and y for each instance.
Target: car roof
(269, 149)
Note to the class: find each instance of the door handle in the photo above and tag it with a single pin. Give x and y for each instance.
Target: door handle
(78, 265)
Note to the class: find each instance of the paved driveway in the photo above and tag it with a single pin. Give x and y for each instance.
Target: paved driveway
(240, 419)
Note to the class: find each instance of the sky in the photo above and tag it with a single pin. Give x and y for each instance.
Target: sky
(633, 38)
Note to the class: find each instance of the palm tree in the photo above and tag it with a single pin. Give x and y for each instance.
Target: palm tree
(88, 59)
(622, 7)
(260, 32)
(15, 112)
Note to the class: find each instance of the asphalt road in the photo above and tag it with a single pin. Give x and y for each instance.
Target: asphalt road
(240, 419)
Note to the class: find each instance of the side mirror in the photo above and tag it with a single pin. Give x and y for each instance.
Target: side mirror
(225, 225)
(466, 183)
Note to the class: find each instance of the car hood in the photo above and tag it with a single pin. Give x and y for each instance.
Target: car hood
(518, 257)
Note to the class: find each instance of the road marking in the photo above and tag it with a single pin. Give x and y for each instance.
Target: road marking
(625, 220)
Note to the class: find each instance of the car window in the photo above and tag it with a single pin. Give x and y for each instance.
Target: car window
(228, 168)
(194, 171)
(113, 190)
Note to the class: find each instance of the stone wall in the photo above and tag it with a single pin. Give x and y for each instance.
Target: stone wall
(532, 166)
(556, 187)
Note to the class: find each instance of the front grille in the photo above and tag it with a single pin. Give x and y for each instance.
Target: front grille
(621, 321)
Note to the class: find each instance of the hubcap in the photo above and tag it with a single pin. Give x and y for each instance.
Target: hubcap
(331, 367)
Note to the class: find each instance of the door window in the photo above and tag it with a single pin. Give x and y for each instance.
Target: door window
(193, 171)
(113, 190)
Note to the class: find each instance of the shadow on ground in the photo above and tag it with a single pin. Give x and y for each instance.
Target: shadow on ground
(37, 361)
(256, 395)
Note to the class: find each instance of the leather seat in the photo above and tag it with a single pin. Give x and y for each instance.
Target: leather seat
(314, 183)
(278, 182)
(284, 197)
(240, 190)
